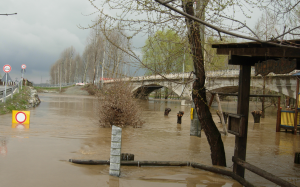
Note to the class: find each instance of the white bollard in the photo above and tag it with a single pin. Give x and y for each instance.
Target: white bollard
(115, 151)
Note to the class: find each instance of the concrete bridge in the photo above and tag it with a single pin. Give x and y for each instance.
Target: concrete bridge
(219, 81)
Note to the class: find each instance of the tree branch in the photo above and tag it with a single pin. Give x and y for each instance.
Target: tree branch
(286, 32)
(8, 14)
(166, 2)
(219, 29)
(244, 25)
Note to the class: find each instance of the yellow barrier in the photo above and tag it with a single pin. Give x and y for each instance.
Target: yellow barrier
(21, 117)
(192, 113)
(287, 118)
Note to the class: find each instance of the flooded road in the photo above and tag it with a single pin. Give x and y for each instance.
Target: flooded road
(66, 127)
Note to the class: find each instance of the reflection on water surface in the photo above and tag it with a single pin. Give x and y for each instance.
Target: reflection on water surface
(64, 127)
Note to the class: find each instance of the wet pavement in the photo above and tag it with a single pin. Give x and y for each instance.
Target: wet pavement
(66, 127)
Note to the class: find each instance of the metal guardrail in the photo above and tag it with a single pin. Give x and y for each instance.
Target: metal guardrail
(9, 91)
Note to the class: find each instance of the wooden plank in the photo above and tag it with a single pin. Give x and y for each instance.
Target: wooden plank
(242, 109)
(221, 113)
(262, 173)
(261, 52)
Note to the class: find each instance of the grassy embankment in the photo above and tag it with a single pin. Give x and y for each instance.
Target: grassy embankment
(18, 102)
(50, 89)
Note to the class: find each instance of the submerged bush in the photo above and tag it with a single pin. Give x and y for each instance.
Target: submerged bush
(90, 88)
(118, 107)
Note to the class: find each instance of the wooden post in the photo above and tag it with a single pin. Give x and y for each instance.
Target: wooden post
(211, 100)
(278, 116)
(179, 116)
(243, 109)
(296, 108)
(167, 111)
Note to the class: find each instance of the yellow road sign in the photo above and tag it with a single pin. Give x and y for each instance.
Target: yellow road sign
(21, 117)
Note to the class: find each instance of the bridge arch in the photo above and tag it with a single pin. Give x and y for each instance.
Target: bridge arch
(143, 91)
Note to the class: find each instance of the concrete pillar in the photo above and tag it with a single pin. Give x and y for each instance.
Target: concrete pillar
(115, 151)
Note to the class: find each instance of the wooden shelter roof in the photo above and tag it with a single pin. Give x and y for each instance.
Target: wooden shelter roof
(267, 55)
(261, 51)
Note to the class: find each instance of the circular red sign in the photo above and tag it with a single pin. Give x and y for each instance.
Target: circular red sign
(20, 117)
(23, 66)
(6, 68)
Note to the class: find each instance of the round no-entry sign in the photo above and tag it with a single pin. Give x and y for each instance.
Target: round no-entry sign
(6, 68)
(23, 66)
(21, 117)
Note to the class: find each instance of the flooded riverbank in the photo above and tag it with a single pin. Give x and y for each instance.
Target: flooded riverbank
(66, 127)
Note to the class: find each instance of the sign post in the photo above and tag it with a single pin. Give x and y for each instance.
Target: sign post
(23, 66)
(6, 69)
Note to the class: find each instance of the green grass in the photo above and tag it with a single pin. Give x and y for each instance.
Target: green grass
(55, 89)
(19, 101)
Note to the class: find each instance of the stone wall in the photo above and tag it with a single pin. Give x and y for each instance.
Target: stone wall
(34, 99)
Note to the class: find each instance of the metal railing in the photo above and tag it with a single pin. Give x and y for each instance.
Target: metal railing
(9, 92)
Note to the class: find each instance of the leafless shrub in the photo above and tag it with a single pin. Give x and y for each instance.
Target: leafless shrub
(118, 107)
(90, 88)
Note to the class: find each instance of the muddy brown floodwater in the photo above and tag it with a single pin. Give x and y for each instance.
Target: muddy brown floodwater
(66, 127)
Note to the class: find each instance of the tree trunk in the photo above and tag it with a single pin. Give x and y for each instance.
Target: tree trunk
(199, 93)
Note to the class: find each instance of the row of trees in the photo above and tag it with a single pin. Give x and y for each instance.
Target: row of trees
(167, 52)
(100, 58)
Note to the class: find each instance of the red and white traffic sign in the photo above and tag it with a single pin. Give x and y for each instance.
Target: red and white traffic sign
(21, 117)
(23, 66)
(6, 68)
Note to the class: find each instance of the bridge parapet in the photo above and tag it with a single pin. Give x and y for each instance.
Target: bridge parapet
(209, 74)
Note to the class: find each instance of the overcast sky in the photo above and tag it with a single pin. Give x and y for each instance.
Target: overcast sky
(39, 33)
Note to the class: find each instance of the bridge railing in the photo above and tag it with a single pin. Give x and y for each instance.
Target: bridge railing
(218, 73)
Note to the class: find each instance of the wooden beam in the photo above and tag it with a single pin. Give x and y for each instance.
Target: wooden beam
(242, 109)
(243, 60)
(262, 173)
(268, 52)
